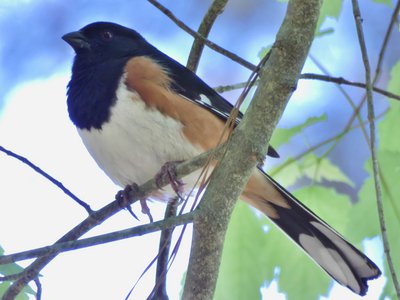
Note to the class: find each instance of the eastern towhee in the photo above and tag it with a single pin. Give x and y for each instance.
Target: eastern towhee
(136, 109)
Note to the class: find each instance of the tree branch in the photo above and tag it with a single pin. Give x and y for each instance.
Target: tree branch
(99, 216)
(341, 80)
(375, 164)
(98, 240)
(193, 33)
(248, 143)
(312, 76)
(216, 8)
(57, 183)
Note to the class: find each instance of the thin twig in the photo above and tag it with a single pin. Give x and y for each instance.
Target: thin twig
(380, 61)
(385, 42)
(215, 9)
(193, 33)
(338, 80)
(160, 289)
(48, 177)
(375, 165)
(356, 110)
(38, 288)
(341, 80)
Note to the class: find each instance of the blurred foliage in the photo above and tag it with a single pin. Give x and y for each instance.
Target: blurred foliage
(9, 269)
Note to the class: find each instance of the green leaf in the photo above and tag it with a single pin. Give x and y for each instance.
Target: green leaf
(243, 267)
(329, 8)
(9, 269)
(330, 206)
(388, 141)
(263, 51)
(311, 166)
(287, 173)
(283, 135)
(21, 296)
(318, 169)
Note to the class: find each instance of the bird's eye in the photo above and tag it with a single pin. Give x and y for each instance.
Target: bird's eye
(106, 35)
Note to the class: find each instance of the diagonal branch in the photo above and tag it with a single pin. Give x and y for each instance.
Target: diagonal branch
(216, 8)
(385, 42)
(193, 33)
(46, 175)
(375, 164)
(248, 143)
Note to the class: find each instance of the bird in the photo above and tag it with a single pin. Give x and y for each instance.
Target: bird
(136, 109)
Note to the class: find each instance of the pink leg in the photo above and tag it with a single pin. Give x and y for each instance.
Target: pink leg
(168, 173)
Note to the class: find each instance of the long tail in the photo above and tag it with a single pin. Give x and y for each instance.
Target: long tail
(341, 260)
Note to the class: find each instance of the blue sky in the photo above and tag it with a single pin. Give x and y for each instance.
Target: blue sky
(34, 71)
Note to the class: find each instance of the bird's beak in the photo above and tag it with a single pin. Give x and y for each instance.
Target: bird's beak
(76, 40)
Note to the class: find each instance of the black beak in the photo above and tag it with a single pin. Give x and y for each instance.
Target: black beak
(76, 40)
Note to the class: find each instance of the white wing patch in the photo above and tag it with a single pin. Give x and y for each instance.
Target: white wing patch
(205, 99)
(205, 102)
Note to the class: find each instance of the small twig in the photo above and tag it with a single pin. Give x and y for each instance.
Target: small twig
(385, 42)
(338, 80)
(48, 177)
(375, 165)
(231, 87)
(215, 9)
(341, 80)
(38, 288)
(356, 109)
(160, 289)
(210, 44)
(378, 66)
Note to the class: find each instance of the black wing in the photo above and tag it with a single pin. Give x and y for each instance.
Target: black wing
(192, 87)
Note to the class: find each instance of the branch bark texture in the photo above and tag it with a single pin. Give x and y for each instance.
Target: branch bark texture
(248, 144)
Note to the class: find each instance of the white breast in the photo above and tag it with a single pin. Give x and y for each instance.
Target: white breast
(136, 141)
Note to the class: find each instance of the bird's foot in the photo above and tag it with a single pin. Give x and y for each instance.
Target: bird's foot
(168, 173)
(124, 196)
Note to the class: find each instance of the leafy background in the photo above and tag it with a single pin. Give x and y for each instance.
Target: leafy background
(334, 180)
(245, 260)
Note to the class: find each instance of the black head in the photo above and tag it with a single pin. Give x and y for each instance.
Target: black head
(102, 50)
(101, 41)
